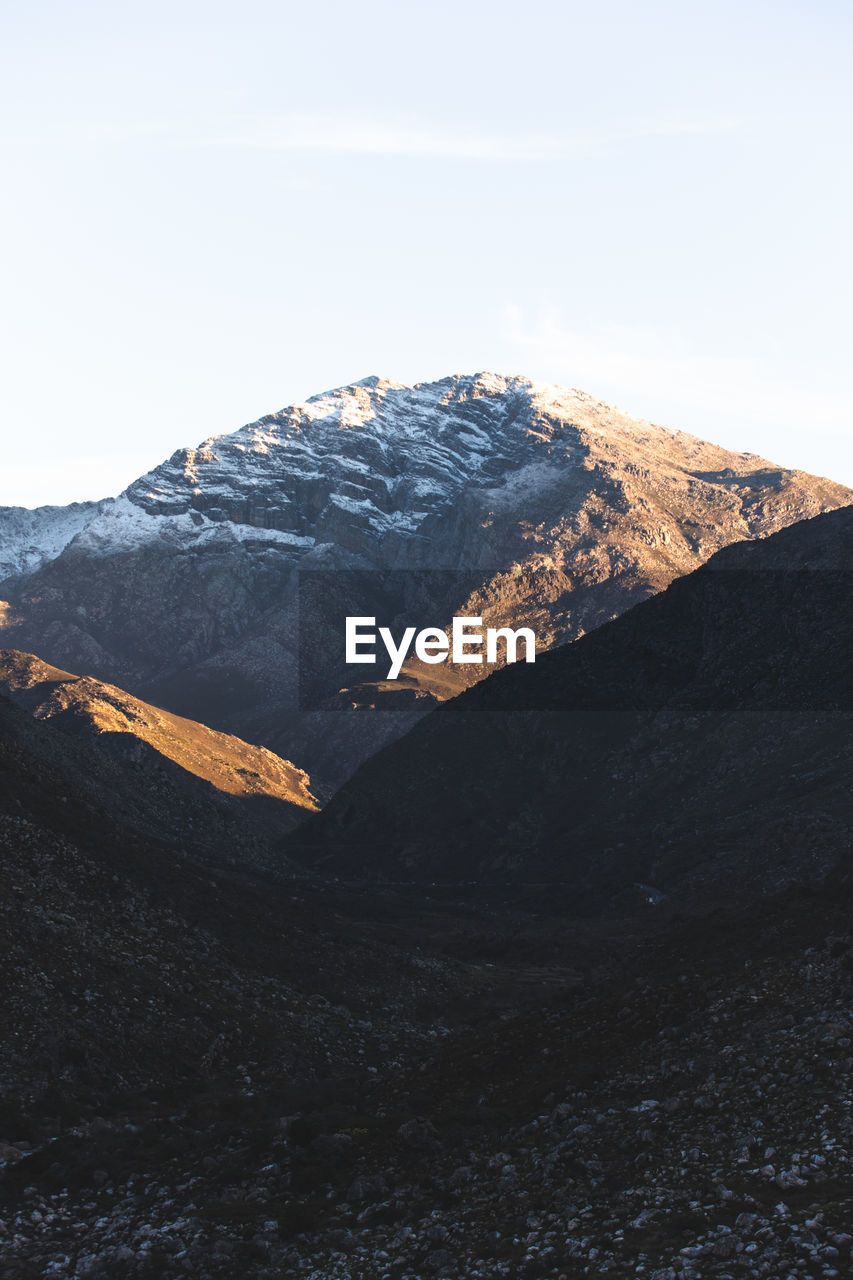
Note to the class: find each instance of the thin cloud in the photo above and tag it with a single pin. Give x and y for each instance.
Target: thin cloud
(338, 136)
(331, 136)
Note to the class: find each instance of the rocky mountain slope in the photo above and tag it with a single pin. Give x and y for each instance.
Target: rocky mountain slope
(129, 965)
(30, 537)
(126, 727)
(217, 584)
(697, 747)
(123, 769)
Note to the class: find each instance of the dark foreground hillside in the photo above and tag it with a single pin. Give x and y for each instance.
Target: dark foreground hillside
(684, 1116)
(131, 965)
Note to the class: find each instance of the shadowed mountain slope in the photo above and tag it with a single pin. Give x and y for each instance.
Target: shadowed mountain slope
(697, 746)
(129, 964)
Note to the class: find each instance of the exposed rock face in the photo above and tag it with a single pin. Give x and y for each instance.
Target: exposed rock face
(477, 495)
(697, 747)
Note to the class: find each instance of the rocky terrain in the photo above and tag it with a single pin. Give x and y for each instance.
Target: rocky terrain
(681, 1110)
(131, 779)
(698, 746)
(217, 585)
(132, 730)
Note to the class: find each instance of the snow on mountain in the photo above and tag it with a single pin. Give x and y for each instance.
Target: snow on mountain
(30, 537)
(377, 456)
(381, 460)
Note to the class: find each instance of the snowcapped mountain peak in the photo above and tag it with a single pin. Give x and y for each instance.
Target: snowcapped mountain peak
(382, 460)
(374, 382)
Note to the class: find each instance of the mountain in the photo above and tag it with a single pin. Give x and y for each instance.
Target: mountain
(696, 748)
(30, 537)
(200, 793)
(131, 730)
(217, 584)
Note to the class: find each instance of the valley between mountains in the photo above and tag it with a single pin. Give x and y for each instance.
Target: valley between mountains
(543, 971)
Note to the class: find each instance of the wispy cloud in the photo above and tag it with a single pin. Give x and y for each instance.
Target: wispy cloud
(339, 135)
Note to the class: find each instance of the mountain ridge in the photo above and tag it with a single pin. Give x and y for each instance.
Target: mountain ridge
(351, 407)
(101, 711)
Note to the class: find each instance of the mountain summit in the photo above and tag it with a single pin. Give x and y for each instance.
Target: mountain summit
(216, 585)
(378, 459)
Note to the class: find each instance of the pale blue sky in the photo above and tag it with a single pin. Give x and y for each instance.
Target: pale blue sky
(210, 210)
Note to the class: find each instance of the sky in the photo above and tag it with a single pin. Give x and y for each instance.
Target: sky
(211, 211)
